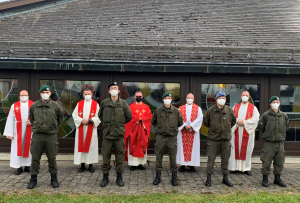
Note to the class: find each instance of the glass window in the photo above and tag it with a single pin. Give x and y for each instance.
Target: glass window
(290, 104)
(233, 93)
(67, 94)
(152, 93)
(8, 95)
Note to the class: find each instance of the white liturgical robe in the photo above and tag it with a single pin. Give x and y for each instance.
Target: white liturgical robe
(196, 125)
(11, 130)
(250, 126)
(92, 156)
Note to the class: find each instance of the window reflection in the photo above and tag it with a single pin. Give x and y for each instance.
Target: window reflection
(67, 94)
(233, 93)
(152, 93)
(290, 104)
(8, 95)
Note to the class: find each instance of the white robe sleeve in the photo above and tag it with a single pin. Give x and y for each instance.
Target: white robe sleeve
(251, 124)
(10, 123)
(77, 119)
(196, 124)
(96, 118)
(236, 125)
(181, 127)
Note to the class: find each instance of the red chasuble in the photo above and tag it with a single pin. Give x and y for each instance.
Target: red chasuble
(249, 114)
(86, 146)
(188, 136)
(17, 109)
(139, 136)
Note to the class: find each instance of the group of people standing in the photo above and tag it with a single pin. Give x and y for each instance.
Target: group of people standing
(33, 128)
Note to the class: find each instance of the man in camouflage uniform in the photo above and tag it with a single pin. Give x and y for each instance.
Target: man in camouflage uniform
(166, 119)
(219, 119)
(274, 124)
(45, 115)
(114, 113)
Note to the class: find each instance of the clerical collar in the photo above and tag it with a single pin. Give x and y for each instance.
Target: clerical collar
(87, 100)
(138, 103)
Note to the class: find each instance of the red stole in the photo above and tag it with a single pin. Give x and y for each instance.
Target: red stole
(139, 136)
(188, 136)
(17, 110)
(86, 147)
(249, 114)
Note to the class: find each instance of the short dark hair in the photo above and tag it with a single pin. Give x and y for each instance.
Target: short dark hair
(87, 89)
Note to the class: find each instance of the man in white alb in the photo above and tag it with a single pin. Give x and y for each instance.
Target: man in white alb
(188, 138)
(86, 120)
(18, 130)
(243, 135)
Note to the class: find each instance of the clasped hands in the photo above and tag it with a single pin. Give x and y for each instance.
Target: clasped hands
(240, 122)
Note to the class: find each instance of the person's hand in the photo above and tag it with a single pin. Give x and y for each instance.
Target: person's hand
(187, 127)
(9, 137)
(140, 119)
(240, 122)
(28, 123)
(85, 121)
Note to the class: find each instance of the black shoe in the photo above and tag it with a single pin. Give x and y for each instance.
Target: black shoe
(141, 167)
(119, 179)
(104, 180)
(174, 178)
(82, 168)
(208, 180)
(19, 171)
(132, 168)
(192, 169)
(182, 168)
(265, 181)
(54, 181)
(26, 169)
(248, 173)
(278, 181)
(33, 182)
(226, 181)
(91, 168)
(157, 178)
(232, 172)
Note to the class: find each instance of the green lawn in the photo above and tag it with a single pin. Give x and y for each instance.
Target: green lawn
(260, 197)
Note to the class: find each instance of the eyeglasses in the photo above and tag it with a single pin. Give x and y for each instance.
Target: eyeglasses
(113, 88)
(24, 95)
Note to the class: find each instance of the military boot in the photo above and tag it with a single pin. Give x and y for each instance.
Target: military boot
(119, 179)
(157, 178)
(104, 180)
(27, 169)
(208, 180)
(226, 181)
(54, 181)
(278, 181)
(265, 181)
(174, 178)
(33, 182)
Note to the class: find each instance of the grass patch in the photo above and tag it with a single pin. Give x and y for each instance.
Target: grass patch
(260, 197)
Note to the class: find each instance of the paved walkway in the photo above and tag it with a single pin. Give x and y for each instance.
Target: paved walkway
(140, 182)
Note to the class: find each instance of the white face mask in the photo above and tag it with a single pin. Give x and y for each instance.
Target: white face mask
(245, 99)
(88, 97)
(275, 106)
(114, 93)
(24, 98)
(45, 96)
(189, 101)
(221, 102)
(167, 101)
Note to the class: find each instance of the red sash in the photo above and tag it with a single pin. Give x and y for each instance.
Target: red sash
(249, 114)
(17, 110)
(86, 147)
(188, 136)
